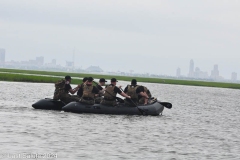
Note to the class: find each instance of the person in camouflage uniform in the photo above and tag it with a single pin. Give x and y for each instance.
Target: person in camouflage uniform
(62, 89)
(89, 92)
(142, 99)
(101, 83)
(111, 92)
(80, 91)
(137, 93)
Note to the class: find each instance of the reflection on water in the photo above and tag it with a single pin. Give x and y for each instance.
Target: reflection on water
(203, 124)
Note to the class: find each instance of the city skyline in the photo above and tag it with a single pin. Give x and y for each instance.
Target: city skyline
(198, 74)
(194, 73)
(184, 69)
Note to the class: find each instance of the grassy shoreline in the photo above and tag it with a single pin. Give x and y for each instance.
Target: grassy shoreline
(15, 75)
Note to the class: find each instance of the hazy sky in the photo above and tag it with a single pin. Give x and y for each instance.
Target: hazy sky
(155, 36)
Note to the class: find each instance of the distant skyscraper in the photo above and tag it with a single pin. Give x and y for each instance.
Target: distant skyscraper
(40, 60)
(234, 76)
(178, 74)
(215, 72)
(69, 63)
(2, 56)
(197, 72)
(191, 69)
(54, 62)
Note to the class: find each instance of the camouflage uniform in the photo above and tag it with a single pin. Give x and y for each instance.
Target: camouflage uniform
(67, 98)
(59, 89)
(62, 94)
(142, 99)
(100, 97)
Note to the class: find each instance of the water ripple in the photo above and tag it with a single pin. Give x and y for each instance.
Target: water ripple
(203, 124)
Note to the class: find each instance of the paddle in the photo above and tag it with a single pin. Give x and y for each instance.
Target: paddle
(117, 98)
(166, 104)
(140, 110)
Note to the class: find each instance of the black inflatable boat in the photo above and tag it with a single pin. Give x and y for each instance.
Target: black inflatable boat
(121, 109)
(77, 107)
(48, 104)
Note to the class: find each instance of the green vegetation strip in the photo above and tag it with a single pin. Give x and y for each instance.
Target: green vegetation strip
(48, 79)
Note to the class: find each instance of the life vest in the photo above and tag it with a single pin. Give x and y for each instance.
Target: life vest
(109, 92)
(131, 91)
(59, 89)
(87, 92)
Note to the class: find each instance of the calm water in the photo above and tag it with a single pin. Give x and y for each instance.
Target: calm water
(203, 124)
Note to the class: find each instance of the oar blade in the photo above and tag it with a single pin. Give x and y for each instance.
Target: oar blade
(166, 104)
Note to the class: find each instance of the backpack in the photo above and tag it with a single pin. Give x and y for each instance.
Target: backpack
(59, 89)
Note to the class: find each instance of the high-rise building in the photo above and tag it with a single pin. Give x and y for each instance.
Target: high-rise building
(200, 74)
(215, 72)
(178, 74)
(2, 56)
(69, 63)
(197, 72)
(54, 62)
(191, 69)
(234, 76)
(40, 60)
